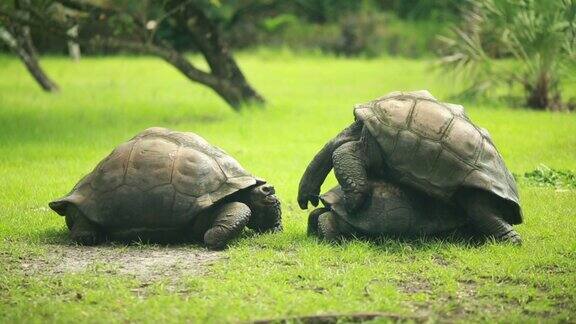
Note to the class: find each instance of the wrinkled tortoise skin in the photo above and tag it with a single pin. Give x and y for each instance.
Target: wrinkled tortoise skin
(434, 147)
(160, 178)
(395, 210)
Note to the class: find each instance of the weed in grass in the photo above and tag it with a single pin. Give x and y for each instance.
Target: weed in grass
(548, 177)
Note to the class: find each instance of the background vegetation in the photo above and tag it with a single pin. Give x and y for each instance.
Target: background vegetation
(472, 37)
(405, 28)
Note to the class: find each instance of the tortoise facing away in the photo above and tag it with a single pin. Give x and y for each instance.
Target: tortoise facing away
(165, 186)
(413, 139)
(390, 210)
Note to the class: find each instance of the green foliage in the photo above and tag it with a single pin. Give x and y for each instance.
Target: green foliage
(342, 27)
(48, 142)
(322, 11)
(276, 23)
(373, 34)
(367, 34)
(548, 177)
(540, 34)
(353, 28)
(426, 9)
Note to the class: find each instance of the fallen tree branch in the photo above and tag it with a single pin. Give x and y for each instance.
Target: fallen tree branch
(336, 318)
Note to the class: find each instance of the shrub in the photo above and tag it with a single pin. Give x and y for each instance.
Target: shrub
(540, 34)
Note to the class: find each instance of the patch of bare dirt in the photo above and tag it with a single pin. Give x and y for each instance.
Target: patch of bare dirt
(415, 285)
(147, 263)
(440, 260)
(462, 299)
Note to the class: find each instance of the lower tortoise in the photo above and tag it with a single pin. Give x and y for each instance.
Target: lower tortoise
(166, 186)
(390, 210)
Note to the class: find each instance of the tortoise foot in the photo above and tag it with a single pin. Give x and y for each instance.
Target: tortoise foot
(313, 221)
(83, 231)
(328, 228)
(216, 238)
(511, 237)
(86, 238)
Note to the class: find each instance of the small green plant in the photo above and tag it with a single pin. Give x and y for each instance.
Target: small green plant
(548, 177)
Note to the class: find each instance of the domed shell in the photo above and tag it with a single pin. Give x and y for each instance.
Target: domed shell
(434, 147)
(158, 178)
(394, 210)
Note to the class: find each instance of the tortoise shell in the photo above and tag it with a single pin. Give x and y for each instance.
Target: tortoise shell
(395, 210)
(158, 178)
(434, 147)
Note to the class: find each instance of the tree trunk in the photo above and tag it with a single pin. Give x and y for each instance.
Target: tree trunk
(238, 94)
(18, 39)
(235, 93)
(22, 46)
(539, 93)
(232, 85)
(73, 46)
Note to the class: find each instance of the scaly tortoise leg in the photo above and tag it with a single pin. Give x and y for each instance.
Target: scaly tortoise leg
(82, 230)
(313, 220)
(333, 229)
(486, 217)
(228, 224)
(321, 164)
(351, 173)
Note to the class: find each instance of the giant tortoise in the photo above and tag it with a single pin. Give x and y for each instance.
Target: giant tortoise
(390, 210)
(413, 139)
(165, 186)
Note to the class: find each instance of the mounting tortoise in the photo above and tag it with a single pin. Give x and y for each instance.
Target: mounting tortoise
(390, 210)
(413, 139)
(166, 186)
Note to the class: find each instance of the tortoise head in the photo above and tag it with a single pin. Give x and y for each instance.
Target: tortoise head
(265, 206)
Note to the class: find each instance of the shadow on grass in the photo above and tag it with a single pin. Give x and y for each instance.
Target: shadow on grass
(391, 244)
(62, 237)
(53, 236)
(465, 238)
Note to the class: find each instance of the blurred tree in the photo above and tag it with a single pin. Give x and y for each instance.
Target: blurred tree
(322, 11)
(327, 25)
(15, 33)
(425, 9)
(143, 26)
(539, 34)
(73, 46)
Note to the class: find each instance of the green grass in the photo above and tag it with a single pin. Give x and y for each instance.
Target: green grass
(47, 142)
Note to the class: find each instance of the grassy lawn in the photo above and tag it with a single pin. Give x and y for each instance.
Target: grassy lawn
(47, 142)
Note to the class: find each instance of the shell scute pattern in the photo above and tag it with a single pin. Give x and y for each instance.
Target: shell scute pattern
(449, 170)
(421, 168)
(457, 110)
(464, 139)
(430, 120)
(182, 203)
(196, 174)
(409, 144)
(396, 113)
(153, 157)
(109, 174)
